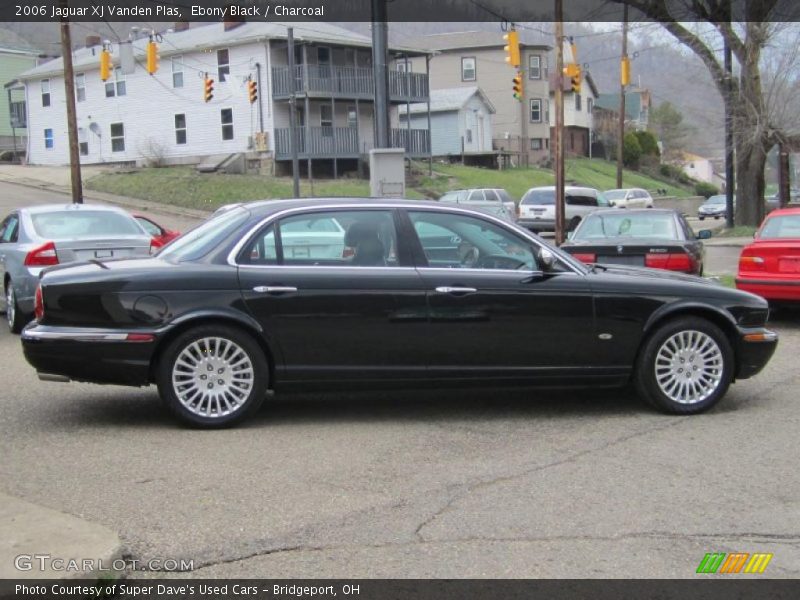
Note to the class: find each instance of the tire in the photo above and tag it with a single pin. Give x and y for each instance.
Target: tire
(15, 318)
(208, 355)
(701, 218)
(682, 340)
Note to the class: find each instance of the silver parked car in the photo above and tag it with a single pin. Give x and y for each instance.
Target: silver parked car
(37, 237)
(495, 201)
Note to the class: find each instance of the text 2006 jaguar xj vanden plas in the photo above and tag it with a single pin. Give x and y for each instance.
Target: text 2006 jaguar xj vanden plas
(337, 293)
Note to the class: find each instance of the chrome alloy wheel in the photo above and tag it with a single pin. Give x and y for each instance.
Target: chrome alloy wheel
(689, 367)
(11, 308)
(212, 377)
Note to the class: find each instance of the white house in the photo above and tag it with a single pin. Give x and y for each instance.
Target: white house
(698, 167)
(135, 117)
(461, 120)
(578, 114)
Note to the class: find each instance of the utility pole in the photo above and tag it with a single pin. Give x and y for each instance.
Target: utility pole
(622, 84)
(729, 175)
(559, 128)
(293, 115)
(380, 41)
(784, 176)
(72, 119)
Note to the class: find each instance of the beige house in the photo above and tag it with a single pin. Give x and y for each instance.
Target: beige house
(477, 58)
(578, 114)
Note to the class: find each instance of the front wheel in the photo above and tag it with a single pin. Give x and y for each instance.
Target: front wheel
(685, 367)
(213, 376)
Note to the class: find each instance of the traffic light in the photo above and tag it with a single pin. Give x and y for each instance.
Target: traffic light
(518, 86)
(625, 71)
(152, 57)
(252, 90)
(576, 80)
(208, 88)
(512, 48)
(105, 64)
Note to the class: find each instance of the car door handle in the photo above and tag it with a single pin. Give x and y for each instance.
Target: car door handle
(274, 289)
(456, 290)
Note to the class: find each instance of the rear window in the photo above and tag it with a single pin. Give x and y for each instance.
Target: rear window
(783, 227)
(202, 239)
(616, 194)
(539, 197)
(458, 196)
(601, 225)
(85, 223)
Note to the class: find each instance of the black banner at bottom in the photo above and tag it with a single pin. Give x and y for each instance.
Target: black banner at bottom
(704, 588)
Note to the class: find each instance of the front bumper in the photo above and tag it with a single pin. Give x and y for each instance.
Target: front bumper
(89, 354)
(537, 224)
(754, 348)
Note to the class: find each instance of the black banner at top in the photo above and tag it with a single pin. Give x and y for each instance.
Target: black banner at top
(585, 11)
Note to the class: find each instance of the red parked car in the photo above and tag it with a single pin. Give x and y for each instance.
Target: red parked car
(161, 235)
(770, 266)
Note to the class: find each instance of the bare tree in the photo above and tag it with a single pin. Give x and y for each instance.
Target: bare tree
(759, 120)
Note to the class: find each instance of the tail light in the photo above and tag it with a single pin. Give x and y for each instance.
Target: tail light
(38, 304)
(348, 252)
(670, 262)
(155, 245)
(751, 263)
(43, 256)
(585, 257)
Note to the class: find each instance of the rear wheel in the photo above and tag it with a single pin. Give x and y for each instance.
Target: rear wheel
(14, 316)
(685, 367)
(213, 376)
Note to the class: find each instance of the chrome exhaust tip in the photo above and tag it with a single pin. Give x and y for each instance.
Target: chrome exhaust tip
(52, 377)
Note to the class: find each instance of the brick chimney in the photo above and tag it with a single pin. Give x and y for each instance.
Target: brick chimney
(181, 26)
(93, 40)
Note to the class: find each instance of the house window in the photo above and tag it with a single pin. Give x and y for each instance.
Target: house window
(117, 137)
(116, 87)
(177, 71)
(80, 87)
(546, 111)
(48, 139)
(468, 136)
(223, 64)
(545, 68)
(536, 143)
(404, 66)
(226, 117)
(326, 119)
(352, 117)
(349, 57)
(534, 66)
(589, 105)
(45, 92)
(468, 70)
(83, 142)
(324, 61)
(180, 129)
(578, 102)
(536, 110)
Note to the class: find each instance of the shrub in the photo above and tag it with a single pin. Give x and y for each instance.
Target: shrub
(648, 142)
(631, 151)
(701, 188)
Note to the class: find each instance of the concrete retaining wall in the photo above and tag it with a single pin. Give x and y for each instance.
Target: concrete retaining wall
(687, 206)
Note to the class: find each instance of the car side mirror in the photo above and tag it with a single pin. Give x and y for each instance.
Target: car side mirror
(547, 259)
(704, 234)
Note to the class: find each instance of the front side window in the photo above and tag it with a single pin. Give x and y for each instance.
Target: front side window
(536, 110)
(334, 239)
(468, 69)
(45, 92)
(48, 139)
(80, 87)
(226, 118)
(117, 86)
(459, 241)
(177, 71)
(534, 66)
(180, 129)
(117, 137)
(223, 64)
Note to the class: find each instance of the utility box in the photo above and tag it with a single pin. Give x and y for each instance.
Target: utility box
(387, 173)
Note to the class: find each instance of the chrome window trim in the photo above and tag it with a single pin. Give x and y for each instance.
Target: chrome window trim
(450, 208)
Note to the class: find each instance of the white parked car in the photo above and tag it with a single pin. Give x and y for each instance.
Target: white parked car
(537, 209)
(629, 198)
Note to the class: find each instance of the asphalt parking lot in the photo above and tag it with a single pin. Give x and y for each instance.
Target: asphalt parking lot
(438, 483)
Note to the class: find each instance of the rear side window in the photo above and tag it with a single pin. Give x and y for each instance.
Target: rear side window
(9, 229)
(459, 196)
(92, 223)
(580, 200)
(477, 196)
(539, 197)
(491, 195)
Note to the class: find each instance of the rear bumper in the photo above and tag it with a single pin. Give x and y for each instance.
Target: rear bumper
(771, 289)
(537, 224)
(90, 355)
(754, 349)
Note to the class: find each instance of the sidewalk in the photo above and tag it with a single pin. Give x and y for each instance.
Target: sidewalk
(29, 533)
(57, 179)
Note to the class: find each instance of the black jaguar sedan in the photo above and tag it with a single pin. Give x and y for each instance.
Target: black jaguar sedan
(341, 293)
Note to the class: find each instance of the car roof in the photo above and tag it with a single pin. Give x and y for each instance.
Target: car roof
(66, 207)
(266, 207)
(795, 210)
(632, 189)
(634, 211)
(570, 188)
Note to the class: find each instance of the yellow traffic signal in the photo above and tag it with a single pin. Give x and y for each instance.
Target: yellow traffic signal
(152, 57)
(512, 48)
(208, 89)
(625, 71)
(105, 64)
(517, 86)
(252, 91)
(576, 80)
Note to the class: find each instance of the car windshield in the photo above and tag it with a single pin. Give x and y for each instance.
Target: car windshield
(538, 196)
(201, 240)
(781, 227)
(632, 225)
(65, 224)
(457, 196)
(616, 194)
(716, 200)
